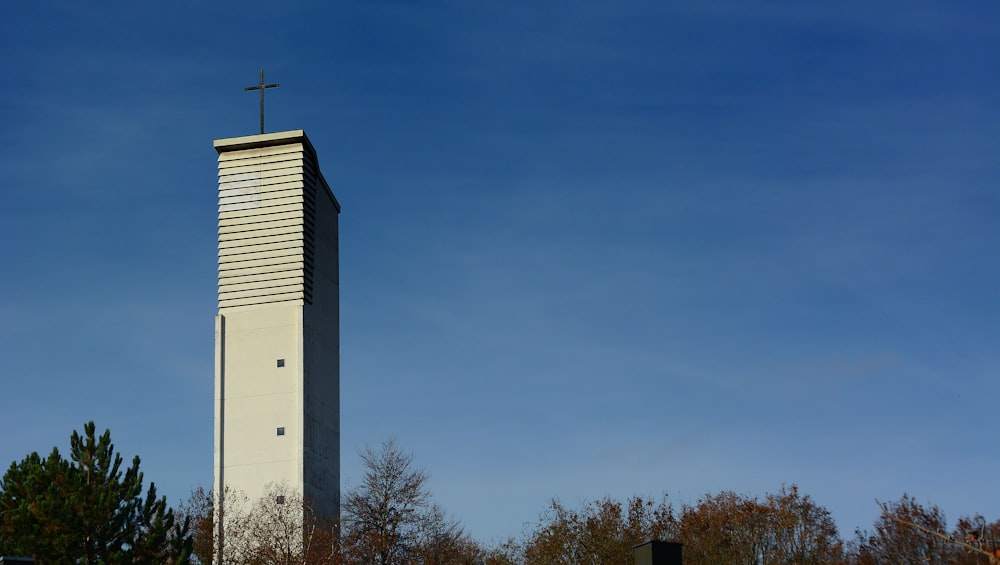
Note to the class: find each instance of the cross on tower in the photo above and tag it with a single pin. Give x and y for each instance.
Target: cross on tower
(261, 88)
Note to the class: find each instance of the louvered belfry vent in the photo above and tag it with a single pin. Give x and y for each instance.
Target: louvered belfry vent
(267, 224)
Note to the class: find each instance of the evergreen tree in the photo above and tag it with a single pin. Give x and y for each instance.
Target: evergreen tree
(87, 510)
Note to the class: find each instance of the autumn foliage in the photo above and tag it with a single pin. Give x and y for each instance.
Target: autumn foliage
(601, 532)
(785, 527)
(91, 509)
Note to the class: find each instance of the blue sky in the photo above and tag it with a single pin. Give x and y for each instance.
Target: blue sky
(587, 248)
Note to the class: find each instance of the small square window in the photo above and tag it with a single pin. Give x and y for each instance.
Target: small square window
(281, 431)
(281, 363)
(280, 499)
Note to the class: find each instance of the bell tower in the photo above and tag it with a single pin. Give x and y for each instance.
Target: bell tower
(277, 330)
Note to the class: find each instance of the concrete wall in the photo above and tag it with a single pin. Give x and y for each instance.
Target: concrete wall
(321, 442)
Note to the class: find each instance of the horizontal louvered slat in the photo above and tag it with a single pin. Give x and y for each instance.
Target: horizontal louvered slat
(287, 160)
(264, 232)
(260, 217)
(250, 229)
(244, 154)
(253, 276)
(287, 263)
(246, 215)
(229, 293)
(261, 299)
(236, 253)
(262, 173)
(288, 269)
(233, 244)
(258, 182)
(240, 188)
(255, 255)
(233, 284)
(244, 207)
(292, 193)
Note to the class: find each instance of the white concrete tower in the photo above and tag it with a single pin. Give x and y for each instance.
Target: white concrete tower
(277, 331)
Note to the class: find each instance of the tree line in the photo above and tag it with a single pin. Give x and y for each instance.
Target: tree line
(90, 509)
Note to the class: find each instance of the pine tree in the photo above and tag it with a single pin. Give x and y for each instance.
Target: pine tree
(87, 509)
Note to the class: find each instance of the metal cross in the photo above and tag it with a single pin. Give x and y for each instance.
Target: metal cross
(261, 88)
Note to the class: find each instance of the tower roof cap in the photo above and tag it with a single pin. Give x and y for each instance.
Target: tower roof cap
(263, 140)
